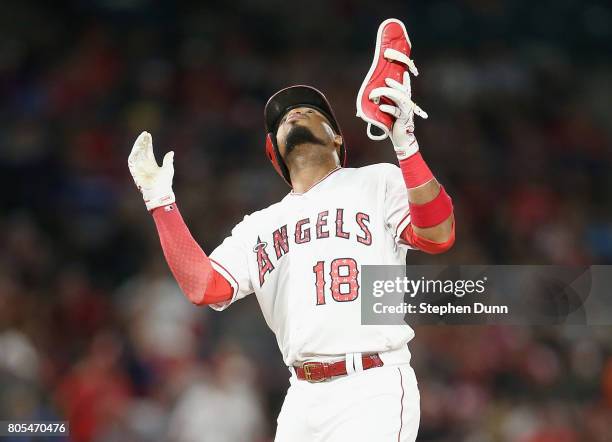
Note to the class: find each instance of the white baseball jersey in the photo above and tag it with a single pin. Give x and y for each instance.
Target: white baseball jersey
(302, 258)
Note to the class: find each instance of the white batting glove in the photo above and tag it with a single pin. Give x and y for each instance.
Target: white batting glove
(154, 182)
(402, 133)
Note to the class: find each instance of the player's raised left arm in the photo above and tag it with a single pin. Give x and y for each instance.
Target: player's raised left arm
(432, 227)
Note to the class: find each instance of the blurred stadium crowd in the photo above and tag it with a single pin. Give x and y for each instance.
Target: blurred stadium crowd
(93, 328)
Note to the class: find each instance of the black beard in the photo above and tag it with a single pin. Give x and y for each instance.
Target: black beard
(300, 135)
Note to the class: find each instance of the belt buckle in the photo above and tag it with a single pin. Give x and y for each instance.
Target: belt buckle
(308, 367)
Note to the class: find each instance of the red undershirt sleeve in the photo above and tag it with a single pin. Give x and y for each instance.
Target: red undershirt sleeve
(191, 268)
(427, 246)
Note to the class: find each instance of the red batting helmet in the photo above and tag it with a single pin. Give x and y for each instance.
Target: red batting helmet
(282, 102)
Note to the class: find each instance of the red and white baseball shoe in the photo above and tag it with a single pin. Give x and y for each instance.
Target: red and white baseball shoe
(391, 60)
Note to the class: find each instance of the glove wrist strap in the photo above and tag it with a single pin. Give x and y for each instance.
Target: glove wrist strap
(163, 200)
(406, 147)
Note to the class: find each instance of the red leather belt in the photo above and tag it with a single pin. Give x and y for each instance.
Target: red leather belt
(322, 371)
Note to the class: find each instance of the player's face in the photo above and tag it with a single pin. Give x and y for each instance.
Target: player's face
(305, 125)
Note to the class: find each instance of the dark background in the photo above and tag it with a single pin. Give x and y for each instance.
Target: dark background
(92, 326)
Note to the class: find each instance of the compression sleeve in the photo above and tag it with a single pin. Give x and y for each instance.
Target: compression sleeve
(189, 264)
(416, 173)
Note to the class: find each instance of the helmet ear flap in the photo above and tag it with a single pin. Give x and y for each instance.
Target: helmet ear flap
(275, 158)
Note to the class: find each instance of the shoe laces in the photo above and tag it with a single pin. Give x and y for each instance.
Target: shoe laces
(395, 55)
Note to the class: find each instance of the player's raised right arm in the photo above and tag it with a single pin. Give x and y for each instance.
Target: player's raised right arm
(189, 264)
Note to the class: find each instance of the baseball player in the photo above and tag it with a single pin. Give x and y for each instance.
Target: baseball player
(301, 257)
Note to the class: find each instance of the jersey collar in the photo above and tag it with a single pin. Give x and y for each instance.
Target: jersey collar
(292, 193)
